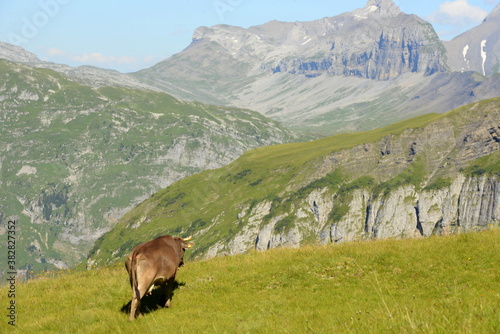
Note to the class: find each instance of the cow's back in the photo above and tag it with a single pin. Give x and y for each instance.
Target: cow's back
(162, 255)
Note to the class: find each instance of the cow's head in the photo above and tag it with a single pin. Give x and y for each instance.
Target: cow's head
(183, 245)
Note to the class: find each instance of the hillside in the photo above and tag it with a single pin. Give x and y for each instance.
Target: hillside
(75, 158)
(436, 174)
(434, 285)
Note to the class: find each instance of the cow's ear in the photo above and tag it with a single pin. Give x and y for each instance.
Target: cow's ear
(189, 245)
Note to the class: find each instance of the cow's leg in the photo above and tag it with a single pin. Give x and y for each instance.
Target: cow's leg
(135, 308)
(167, 290)
(128, 267)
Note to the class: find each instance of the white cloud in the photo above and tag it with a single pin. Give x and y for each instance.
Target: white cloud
(56, 52)
(120, 63)
(458, 12)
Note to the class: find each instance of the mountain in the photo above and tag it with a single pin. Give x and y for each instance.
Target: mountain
(75, 158)
(431, 175)
(86, 75)
(376, 42)
(477, 49)
(17, 54)
(355, 71)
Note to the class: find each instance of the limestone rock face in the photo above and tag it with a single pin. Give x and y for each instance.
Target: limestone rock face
(446, 201)
(375, 42)
(467, 204)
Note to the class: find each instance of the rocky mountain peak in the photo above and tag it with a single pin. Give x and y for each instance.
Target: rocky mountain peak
(375, 42)
(382, 7)
(16, 54)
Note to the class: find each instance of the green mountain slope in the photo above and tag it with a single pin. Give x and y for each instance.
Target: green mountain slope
(74, 158)
(413, 178)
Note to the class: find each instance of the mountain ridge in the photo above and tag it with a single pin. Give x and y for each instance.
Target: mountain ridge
(311, 87)
(85, 74)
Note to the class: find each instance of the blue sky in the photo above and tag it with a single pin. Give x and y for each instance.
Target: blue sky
(129, 35)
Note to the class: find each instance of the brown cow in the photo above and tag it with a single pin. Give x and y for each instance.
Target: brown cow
(154, 263)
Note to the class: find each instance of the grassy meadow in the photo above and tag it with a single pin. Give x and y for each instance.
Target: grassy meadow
(433, 285)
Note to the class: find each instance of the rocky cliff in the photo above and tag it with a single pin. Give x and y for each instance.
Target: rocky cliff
(436, 174)
(417, 198)
(468, 203)
(377, 42)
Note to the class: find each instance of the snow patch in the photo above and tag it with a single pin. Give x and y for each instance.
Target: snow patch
(464, 55)
(464, 52)
(483, 54)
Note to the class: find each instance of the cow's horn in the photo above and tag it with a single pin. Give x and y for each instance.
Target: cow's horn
(188, 238)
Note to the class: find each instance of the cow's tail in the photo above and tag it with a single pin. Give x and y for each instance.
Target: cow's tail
(135, 284)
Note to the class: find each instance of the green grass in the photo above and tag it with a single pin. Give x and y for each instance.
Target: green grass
(413, 175)
(433, 285)
(488, 165)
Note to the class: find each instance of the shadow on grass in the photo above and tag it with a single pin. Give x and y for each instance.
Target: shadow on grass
(153, 301)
